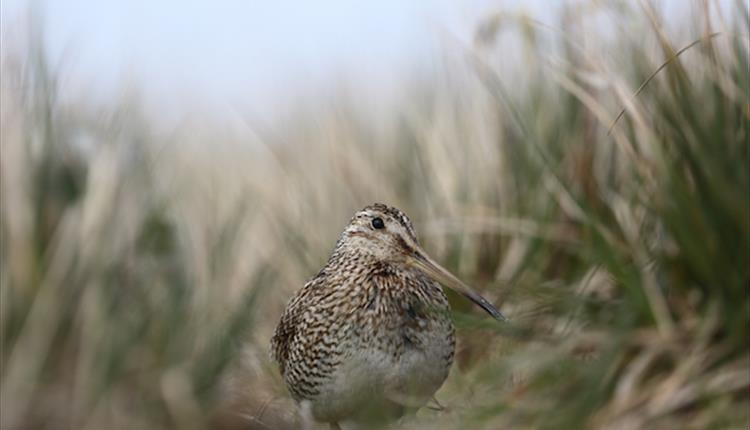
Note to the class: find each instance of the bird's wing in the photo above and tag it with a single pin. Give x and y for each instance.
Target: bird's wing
(287, 328)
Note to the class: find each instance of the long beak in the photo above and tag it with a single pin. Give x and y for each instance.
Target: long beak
(422, 261)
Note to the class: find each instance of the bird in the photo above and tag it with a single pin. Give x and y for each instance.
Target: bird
(370, 334)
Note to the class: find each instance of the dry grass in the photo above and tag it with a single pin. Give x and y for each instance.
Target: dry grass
(143, 272)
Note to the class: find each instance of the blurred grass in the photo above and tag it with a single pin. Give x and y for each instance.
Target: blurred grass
(143, 271)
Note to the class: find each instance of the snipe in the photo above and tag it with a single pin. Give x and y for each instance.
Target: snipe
(372, 328)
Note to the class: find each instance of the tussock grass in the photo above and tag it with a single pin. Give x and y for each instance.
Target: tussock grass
(143, 272)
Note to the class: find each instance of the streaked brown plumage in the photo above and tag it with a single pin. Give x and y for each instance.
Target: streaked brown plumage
(373, 326)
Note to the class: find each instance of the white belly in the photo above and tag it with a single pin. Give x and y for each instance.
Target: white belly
(370, 377)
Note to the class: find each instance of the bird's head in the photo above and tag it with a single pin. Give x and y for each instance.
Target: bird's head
(386, 234)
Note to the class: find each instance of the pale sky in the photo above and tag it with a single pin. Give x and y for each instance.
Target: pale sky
(229, 49)
(247, 51)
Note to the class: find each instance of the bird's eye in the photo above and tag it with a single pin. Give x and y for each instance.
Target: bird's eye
(378, 223)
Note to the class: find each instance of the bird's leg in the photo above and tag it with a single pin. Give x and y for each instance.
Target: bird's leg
(439, 407)
(335, 426)
(308, 423)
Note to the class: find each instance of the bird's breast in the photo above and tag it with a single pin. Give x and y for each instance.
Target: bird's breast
(402, 340)
(385, 338)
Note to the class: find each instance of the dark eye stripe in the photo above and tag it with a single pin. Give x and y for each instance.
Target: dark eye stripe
(379, 209)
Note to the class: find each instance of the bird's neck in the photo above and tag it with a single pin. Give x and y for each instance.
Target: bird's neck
(344, 258)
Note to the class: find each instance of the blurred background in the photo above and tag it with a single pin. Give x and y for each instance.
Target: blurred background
(172, 172)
